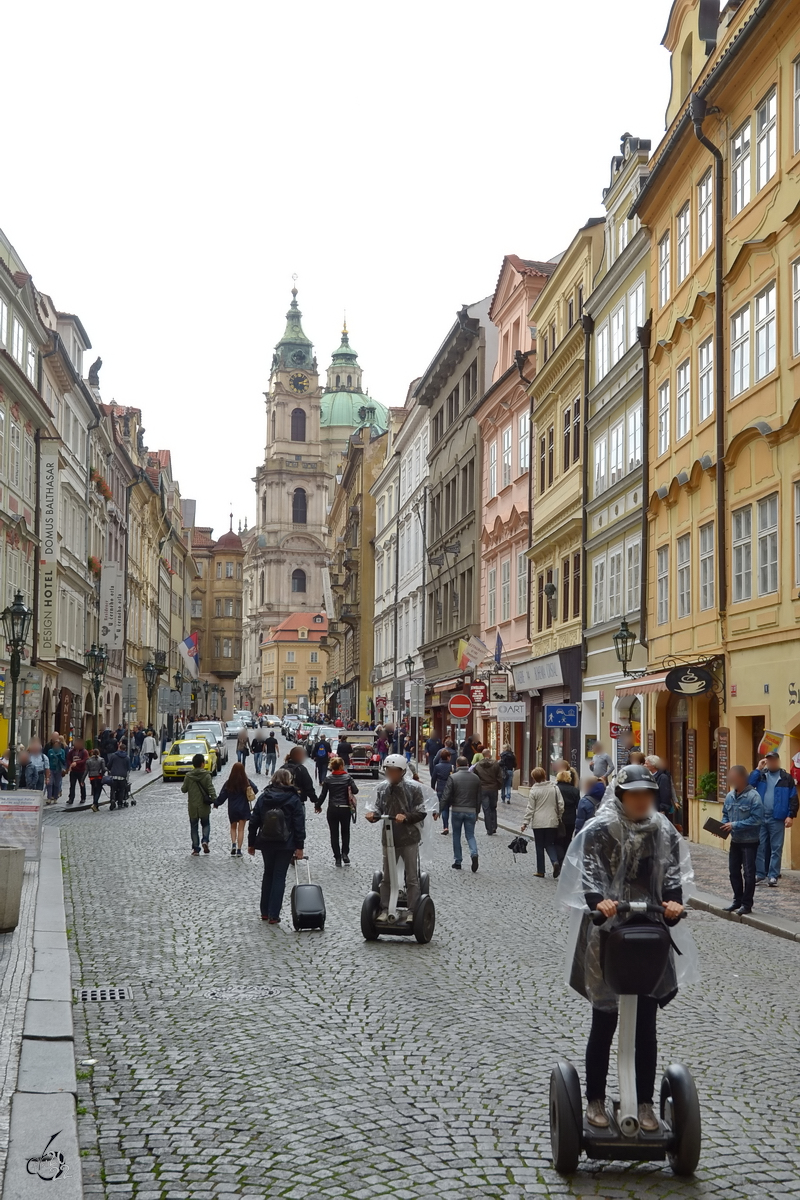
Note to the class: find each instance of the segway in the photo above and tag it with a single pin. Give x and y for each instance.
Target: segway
(397, 924)
(633, 962)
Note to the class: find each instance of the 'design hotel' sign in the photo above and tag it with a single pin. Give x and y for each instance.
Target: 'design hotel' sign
(48, 553)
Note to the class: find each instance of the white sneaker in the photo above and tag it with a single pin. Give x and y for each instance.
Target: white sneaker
(383, 916)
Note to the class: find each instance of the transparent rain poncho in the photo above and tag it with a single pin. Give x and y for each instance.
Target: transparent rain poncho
(431, 803)
(620, 859)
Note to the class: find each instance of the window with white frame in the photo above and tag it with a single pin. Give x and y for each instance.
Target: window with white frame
(524, 443)
(493, 470)
(505, 590)
(618, 333)
(197, 608)
(381, 516)
(522, 580)
(314, 656)
(740, 168)
(633, 576)
(766, 139)
(663, 270)
(30, 361)
(707, 566)
(28, 470)
(663, 417)
(288, 680)
(600, 451)
(614, 583)
(2, 439)
(601, 365)
(705, 381)
(684, 557)
(491, 597)
(768, 545)
(616, 452)
(683, 246)
(598, 591)
(507, 456)
(683, 399)
(797, 106)
(797, 533)
(765, 332)
(18, 342)
(635, 311)
(635, 438)
(705, 217)
(662, 585)
(3, 324)
(741, 528)
(14, 455)
(622, 236)
(740, 351)
(796, 306)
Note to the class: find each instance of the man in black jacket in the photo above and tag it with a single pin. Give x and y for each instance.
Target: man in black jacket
(302, 780)
(462, 795)
(655, 766)
(119, 766)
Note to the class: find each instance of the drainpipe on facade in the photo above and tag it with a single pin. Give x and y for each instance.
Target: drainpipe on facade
(588, 329)
(698, 108)
(644, 334)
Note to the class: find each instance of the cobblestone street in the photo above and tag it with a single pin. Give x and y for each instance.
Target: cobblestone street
(387, 1069)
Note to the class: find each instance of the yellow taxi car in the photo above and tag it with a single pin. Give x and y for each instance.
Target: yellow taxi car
(178, 760)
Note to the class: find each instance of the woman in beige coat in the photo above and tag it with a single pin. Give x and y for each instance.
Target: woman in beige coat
(544, 811)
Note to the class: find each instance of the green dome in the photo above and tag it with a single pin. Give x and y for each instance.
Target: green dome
(352, 410)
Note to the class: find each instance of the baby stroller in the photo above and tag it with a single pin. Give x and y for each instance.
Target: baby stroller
(121, 792)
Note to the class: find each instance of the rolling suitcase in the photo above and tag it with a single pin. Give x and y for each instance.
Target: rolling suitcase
(308, 903)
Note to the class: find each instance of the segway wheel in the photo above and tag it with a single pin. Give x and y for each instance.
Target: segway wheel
(424, 920)
(425, 884)
(369, 911)
(680, 1107)
(566, 1118)
(377, 880)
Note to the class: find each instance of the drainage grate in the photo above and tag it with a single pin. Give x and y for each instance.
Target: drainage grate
(255, 992)
(106, 994)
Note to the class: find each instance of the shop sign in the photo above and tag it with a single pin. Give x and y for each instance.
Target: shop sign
(511, 710)
(691, 762)
(538, 673)
(48, 547)
(477, 693)
(381, 701)
(561, 716)
(723, 762)
(498, 687)
(689, 681)
(614, 730)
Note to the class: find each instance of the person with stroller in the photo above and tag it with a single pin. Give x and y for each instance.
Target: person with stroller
(340, 790)
(402, 800)
(119, 766)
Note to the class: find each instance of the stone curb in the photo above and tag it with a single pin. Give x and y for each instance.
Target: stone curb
(143, 782)
(43, 1140)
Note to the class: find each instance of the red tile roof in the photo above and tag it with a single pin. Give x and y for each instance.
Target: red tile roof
(287, 630)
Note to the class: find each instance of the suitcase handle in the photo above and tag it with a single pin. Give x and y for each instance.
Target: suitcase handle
(308, 866)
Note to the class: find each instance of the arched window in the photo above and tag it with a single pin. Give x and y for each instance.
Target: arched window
(261, 589)
(298, 580)
(272, 428)
(338, 380)
(298, 425)
(349, 380)
(264, 509)
(299, 507)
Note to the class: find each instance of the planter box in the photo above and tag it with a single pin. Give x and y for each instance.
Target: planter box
(12, 870)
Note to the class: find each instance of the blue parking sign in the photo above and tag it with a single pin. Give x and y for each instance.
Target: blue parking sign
(561, 716)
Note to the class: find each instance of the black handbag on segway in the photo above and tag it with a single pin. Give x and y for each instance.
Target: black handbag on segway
(307, 902)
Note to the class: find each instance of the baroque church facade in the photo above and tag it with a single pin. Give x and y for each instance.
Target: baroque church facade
(308, 426)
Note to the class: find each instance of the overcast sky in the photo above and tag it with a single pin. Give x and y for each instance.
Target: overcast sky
(169, 166)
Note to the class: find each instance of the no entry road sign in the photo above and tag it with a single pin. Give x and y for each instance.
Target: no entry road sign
(459, 706)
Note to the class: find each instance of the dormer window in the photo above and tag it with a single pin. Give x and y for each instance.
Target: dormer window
(302, 634)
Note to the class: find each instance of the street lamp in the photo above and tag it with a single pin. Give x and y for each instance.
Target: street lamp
(312, 696)
(414, 733)
(16, 623)
(151, 673)
(214, 695)
(409, 665)
(160, 661)
(624, 641)
(96, 663)
(178, 681)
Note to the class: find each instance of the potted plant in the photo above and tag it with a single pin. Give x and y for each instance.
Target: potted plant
(707, 786)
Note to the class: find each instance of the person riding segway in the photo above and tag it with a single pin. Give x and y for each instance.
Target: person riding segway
(631, 868)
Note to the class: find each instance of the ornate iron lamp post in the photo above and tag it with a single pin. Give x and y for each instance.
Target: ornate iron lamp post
(151, 672)
(16, 623)
(96, 663)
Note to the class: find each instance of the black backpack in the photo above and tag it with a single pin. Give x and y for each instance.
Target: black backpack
(274, 827)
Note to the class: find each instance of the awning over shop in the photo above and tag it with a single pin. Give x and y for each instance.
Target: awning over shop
(446, 685)
(647, 683)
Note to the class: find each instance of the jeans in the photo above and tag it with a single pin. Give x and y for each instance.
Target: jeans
(444, 813)
(545, 839)
(241, 756)
(54, 786)
(465, 821)
(258, 758)
(322, 769)
(742, 863)
(489, 806)
(339, 823)
(409, 855)
(136, 760)
(273, 882)
(598, 1050)
(770, 849)
(271, 760)
(507, 782)
(149, 762)
(96, 784)
(205, 823)
(75, 778)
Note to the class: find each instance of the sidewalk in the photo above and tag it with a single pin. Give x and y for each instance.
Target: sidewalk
(139, 780)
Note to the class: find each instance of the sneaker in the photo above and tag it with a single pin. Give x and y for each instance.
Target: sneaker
(760, 879)
(383, 916)
(195, 854)
(346, 859)
(95, 808)
(772, 882)
(457, 866)
(206, 849)
(596, 1114)
(647, 1119)
(474, 863)
(445, 832)
(238, 854)
(233, 852)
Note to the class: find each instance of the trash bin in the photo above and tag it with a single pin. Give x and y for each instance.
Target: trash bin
(12, 870)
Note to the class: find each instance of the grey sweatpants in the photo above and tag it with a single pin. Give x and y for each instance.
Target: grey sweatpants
(408, 855)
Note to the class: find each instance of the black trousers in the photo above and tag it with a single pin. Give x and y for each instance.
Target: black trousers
(489, 806)
(545, 839)
(742, 871)
(96, 784)
(76, 779)
(339, 822)
(598, 1051)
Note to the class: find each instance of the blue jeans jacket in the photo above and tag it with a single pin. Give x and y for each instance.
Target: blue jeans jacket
(745, 812)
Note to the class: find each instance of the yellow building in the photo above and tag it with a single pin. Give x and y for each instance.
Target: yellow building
(292, 664)
(558, 394)
(724, 557)
(216, 611)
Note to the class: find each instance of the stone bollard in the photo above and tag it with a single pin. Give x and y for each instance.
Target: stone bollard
(12, 869)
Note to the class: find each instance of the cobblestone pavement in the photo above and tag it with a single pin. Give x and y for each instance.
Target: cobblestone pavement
(385, 1069)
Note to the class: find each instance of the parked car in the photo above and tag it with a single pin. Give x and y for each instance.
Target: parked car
(364, 759)
(289, 727)
(304, 732)
(217, 729)
(178, 760)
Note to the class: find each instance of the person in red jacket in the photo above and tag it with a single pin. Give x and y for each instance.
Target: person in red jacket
(77, 760)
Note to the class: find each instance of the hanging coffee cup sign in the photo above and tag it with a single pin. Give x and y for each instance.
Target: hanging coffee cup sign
(689, 681)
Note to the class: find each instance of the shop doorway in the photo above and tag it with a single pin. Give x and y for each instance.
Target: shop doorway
(678, 718)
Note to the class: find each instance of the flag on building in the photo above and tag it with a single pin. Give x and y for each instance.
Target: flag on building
(190, 653)
(498, 650)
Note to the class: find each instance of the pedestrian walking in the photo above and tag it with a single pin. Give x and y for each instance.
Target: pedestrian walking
(278, 829)
(240, 794)
(594, 790)
(38, 766)
(448, 745)
(296, 766)
(108, 743)
(742, 817)
(544, 811)
(490, 774)
(199, 789)
(508, 761)
(439, 777)
(57, 758)
(666, 789)
(778, 794)
(602, 763)
(271, 753)
(381, 746)
(322, 754)
(257, 746)
(432, 747)
(77, 759)
(343, 749)
(340, 790)
(149, 750)
(163, 739)
(119, 765)
(402, 800)
(571, 797)
(95, 773)
(462, 798)
(243, 746)
(137, 748)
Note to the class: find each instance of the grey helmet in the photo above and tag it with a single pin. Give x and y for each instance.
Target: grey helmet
(636, 777)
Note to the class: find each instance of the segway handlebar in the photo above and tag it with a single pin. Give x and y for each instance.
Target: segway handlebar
(633, 906)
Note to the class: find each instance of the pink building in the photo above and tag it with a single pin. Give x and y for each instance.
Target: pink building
(504, 419)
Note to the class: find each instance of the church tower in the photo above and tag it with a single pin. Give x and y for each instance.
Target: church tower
(292, 486)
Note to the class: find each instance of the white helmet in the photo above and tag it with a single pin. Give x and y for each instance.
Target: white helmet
(395, 760)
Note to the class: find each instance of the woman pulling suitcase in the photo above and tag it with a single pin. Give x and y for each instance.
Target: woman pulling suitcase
(278, 829)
